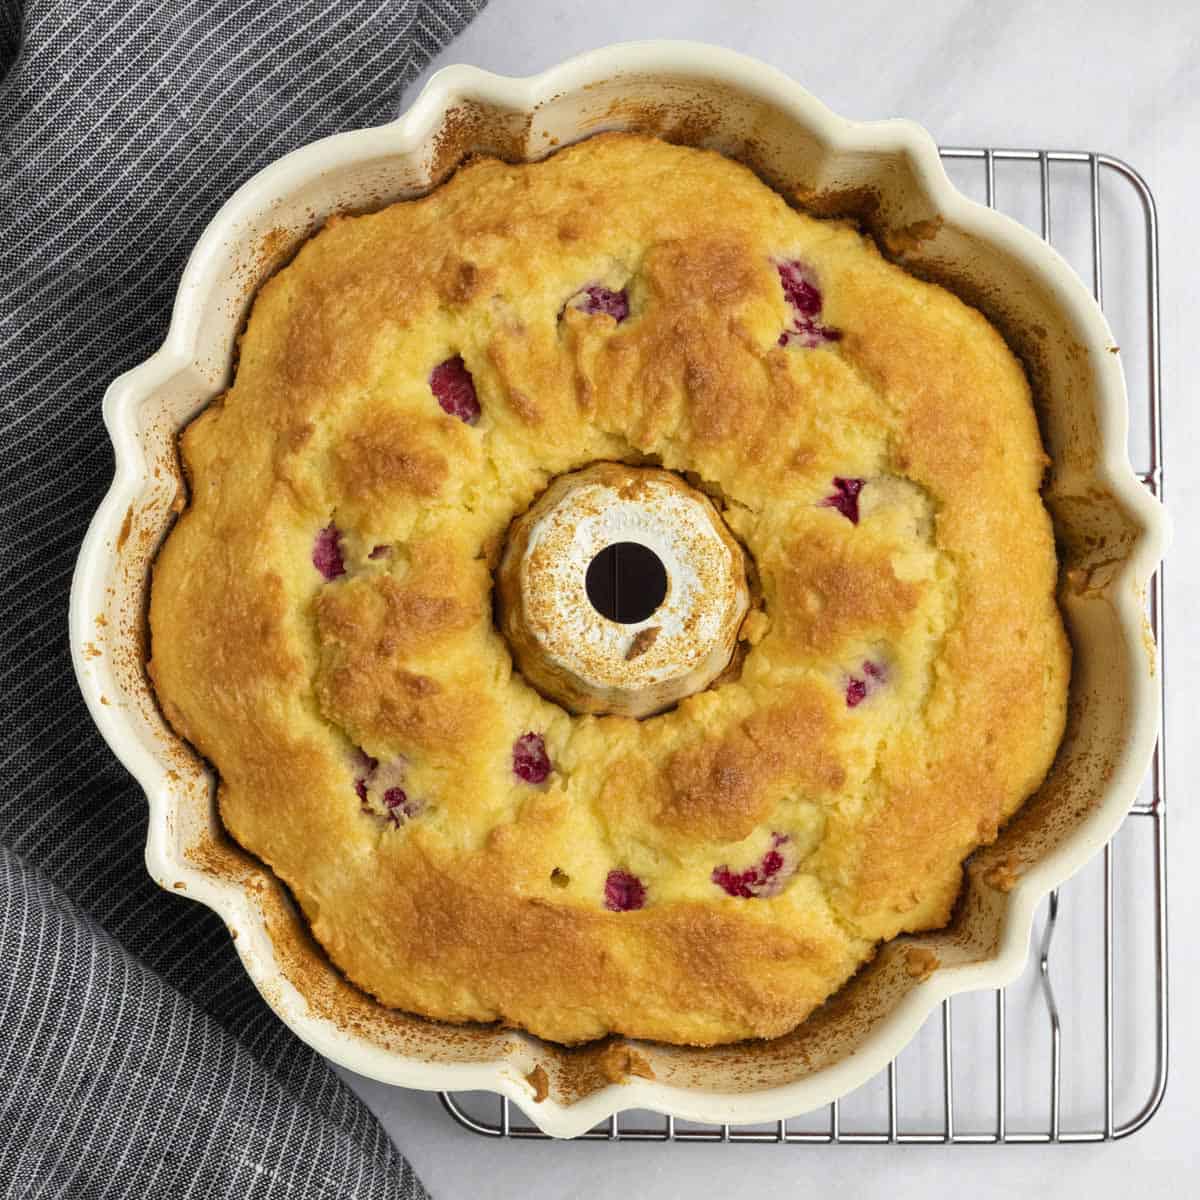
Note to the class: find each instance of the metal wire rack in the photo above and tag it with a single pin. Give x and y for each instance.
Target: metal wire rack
(1076, 1050)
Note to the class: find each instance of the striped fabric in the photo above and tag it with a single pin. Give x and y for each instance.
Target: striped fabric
(135, 1057)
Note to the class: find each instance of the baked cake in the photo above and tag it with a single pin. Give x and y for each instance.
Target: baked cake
(494, 805)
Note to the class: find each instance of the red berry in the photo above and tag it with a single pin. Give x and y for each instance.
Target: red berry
(772, 863)
(327, 552)
(804, 298)
(799, 287)
(364, 768)
(765, 878)
(733, 883)
(452, 385)
(530, 761)
(857, 690)
(623, 892)
(370, 781)
(597, 299)
(845, 497)
(400, 807)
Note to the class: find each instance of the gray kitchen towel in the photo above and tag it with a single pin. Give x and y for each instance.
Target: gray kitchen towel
(136, 1059)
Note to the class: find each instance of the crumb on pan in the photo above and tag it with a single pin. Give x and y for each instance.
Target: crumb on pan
(920, 963)
(619, 1061)
(1004, 874)
(540, 1082)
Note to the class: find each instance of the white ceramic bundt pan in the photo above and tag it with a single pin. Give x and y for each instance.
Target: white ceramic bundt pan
(1111, 535)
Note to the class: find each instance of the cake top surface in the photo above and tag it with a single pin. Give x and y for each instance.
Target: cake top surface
(322, 615)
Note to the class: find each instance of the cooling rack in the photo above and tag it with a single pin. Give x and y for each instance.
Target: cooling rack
(1076, 1050)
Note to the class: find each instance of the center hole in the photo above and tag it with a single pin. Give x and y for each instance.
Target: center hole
(626, 582)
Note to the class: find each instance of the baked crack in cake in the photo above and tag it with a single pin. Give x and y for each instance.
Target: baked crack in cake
(493, 803)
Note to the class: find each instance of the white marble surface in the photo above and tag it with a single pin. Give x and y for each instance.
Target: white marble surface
(1118, 77)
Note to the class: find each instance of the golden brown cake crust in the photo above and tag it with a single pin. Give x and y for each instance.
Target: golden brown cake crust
(906, 686)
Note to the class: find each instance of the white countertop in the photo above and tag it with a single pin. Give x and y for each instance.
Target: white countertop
(1096, 75)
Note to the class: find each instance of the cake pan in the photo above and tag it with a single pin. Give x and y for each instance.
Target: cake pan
(886, 174)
